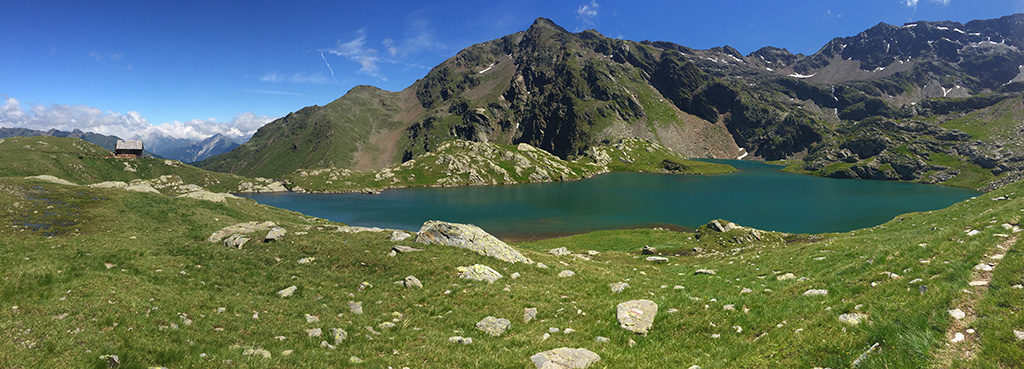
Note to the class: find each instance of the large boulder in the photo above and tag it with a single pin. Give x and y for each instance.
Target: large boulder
(469, 237)
(242, 228)
(637, 315)
(208, 196)
(493, 326)
(565, 358)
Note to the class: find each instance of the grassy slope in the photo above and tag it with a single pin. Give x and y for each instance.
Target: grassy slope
(165, 268)
(85, 163)
(497, 164)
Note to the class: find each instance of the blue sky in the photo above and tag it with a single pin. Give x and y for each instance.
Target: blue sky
(192, 65)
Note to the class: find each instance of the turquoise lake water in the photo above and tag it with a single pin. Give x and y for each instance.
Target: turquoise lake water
(759, 196)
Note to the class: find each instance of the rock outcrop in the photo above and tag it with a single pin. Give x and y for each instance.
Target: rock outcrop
(470, 237)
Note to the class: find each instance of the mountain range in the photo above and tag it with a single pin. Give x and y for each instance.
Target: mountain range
(892, 102)
(166, 147)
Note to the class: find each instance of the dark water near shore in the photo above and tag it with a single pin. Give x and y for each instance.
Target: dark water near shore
(759, 196)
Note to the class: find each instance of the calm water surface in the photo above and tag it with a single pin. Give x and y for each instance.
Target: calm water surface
(759, 196)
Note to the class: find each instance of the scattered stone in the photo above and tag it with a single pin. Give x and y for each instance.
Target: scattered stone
(545, 336)
(852, 318)
(657, 259)
(618, 286)
(199, 194)
(236, 241)
(1018, 334)
(326, 345)
(275, 234)
(312, 318)
(529, 314)
(410, 282)
(978, 283)
(816, 293)
(566, 273)
(339, 335)
(240, 228)
(983, 267)
(561, 251)
(542, 266)
(746, 290)
(364, 285)
(729, 307)
(399, 236)
(112, 360)
(554, 330)
(355, 360)
(601, 339)
(704, 271)
(957, 337)
(287, 352)
(386, 325)
(315, 332)
(565, 358)
(356, 307)
(514, 275)
(636, 315)
(493, 326)
(399, 249)
(648, 250)
(460, 339)
(973, 232)
(786, 277)
(287, 291)
(257, 352)
(306, 260)
(469, 237)
(957, 314)
(479, 272)
(672, 310)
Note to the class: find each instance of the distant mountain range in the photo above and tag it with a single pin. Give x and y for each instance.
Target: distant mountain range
(887, 103)
(182, 149)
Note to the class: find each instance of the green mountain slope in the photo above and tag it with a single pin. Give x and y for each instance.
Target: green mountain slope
(94, 272)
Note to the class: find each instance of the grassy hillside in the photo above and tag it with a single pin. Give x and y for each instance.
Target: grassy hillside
(84, 163)
(461, 163)
(93, 272)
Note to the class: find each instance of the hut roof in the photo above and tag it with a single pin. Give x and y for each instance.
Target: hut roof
(128, 145)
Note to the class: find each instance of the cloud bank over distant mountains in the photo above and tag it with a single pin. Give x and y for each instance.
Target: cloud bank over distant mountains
(125, 125)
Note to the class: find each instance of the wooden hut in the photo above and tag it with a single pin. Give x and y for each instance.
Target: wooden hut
(128, 149)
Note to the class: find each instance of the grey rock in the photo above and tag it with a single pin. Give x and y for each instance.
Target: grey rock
(257, 352)
(356, 307)
(852, 318)
(470, 237)
(398, 236)
(648, 250)
(242, 228)
(493, 326)
(657, 259)
(561, 251)
(601, 339)
(411, 281)
(404, 249)
(275, 234)
(704, 271)
(636, 315)
(236, 241)
(566, 273)
(339, 335)
(529, 314)
(816, 293)
(460, 340)
(565, 358)
(786, 277)
(287, 291)
(618, 286)
(478, 272)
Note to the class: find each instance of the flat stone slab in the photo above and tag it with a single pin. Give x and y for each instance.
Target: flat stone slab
(636, 315)
(493, 326)
(478, 272)
(470, 237)
(565, 358)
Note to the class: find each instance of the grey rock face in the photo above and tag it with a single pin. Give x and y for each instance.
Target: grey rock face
(493, 326)
(637, 315)
(470, 237)
(275, 234)
(565, 358)
(235, 241)
(529, 314)
(411, 281)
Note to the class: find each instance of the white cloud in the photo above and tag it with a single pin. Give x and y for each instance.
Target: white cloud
(356, 50)
(943, 2)
(913, 3)
(389, 44)
(910, 3)
(316, 78)
(125, 125)
(587, 14)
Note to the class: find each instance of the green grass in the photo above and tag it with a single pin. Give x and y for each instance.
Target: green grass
(84, 163)
(971, 175)
(153, 239)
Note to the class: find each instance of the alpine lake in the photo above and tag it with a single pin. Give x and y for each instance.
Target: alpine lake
(759, 195)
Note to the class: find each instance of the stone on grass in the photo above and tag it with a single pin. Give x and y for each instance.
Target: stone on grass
(410, 282)
(566, 273)
(786, 277)
(852, 318)
(398, 236)
(636, 315)
(306, 260)
(257, 352)
(1018, 334)
(957, 314)
(601, 339)
(311, 318)
(983, 267)
(565, 358)
(469, 237)
(529, 314)
(275, 234)
(657, 259)
(542, 266)
(478, 272)
(493, 326)
(704, 271)
(648, 250)
(816, 293)
(235, 241)
(356, 307)
(460, 339)
(561, 251)
(315, 332)
(618, 286)
(241, 228)
(514, 275)
(287, 291)
(52, 179)
(729, 307)
(355, 360)
(338, 335)
(957, 337)
(399, 249)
